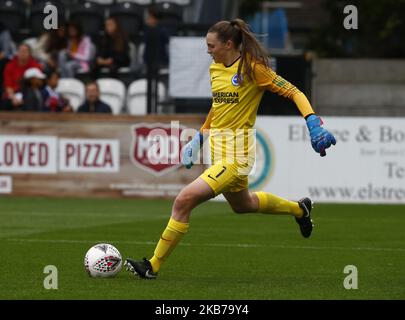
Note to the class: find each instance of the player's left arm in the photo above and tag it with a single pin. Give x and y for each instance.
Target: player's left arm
(267, 79)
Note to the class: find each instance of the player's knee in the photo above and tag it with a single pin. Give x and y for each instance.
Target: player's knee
(240, 210)
(183, 203)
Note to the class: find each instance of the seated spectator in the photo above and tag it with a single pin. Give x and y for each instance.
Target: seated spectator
(93, 102)
(7, 51)
(30, 97)
(54, 101)
(78, 54)
(48, 46)
(113, 49)
(14, 72)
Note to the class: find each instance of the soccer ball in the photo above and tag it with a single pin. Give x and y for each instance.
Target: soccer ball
(103, 260)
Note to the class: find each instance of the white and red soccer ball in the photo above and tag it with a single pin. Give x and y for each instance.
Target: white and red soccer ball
(103, 260)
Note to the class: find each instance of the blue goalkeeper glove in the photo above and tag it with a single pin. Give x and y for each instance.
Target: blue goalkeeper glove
(190, 150)
(321, 138)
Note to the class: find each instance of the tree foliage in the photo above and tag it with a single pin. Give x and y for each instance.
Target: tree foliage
(381, 28)
(380, 33)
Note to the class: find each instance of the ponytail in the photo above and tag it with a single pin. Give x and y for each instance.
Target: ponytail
(251, 50)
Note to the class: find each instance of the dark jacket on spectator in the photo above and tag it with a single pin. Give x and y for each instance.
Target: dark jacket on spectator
(33, 100)
(99, 107)
(106, 50)
(156, 43)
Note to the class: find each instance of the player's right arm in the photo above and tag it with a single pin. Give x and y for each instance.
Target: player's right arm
(266, 78)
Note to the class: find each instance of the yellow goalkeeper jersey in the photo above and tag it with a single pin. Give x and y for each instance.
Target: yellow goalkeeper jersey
(234, 108)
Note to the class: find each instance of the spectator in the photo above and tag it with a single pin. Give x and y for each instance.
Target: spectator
(93, 102)
(78, 54)
(156, 39)
(14, 72)
(7, 48)
(7, 51)
(30, 97)
(48, 46)
(113, 49)
(54, 101)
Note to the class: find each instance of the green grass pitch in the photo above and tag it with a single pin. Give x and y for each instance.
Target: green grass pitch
(224, 255)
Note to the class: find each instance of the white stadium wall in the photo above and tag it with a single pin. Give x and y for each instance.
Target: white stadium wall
(367, 165)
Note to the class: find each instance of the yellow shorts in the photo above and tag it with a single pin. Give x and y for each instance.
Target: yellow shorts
(226, 178)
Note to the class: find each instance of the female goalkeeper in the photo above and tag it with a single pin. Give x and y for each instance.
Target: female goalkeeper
(239, 75)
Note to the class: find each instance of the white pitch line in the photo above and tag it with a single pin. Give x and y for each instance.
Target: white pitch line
(230, 245)
(80, 241)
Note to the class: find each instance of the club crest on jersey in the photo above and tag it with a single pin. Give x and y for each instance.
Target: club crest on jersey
(235, 80)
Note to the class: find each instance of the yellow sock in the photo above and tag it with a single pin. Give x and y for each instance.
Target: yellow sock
(270, 203)
(168, 241)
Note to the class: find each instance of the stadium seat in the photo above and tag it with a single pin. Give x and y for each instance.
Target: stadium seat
(179, 2)
(36, 16)
(102, 2)
(64, 2)
(170, 11)
(139, 2)
(136, 96)
(12, 15)
(172, 15)
(112, 92)
(129, 15)
(72, 89)
(91, 15)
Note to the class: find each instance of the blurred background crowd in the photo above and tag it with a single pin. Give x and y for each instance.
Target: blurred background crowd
(113, 45)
